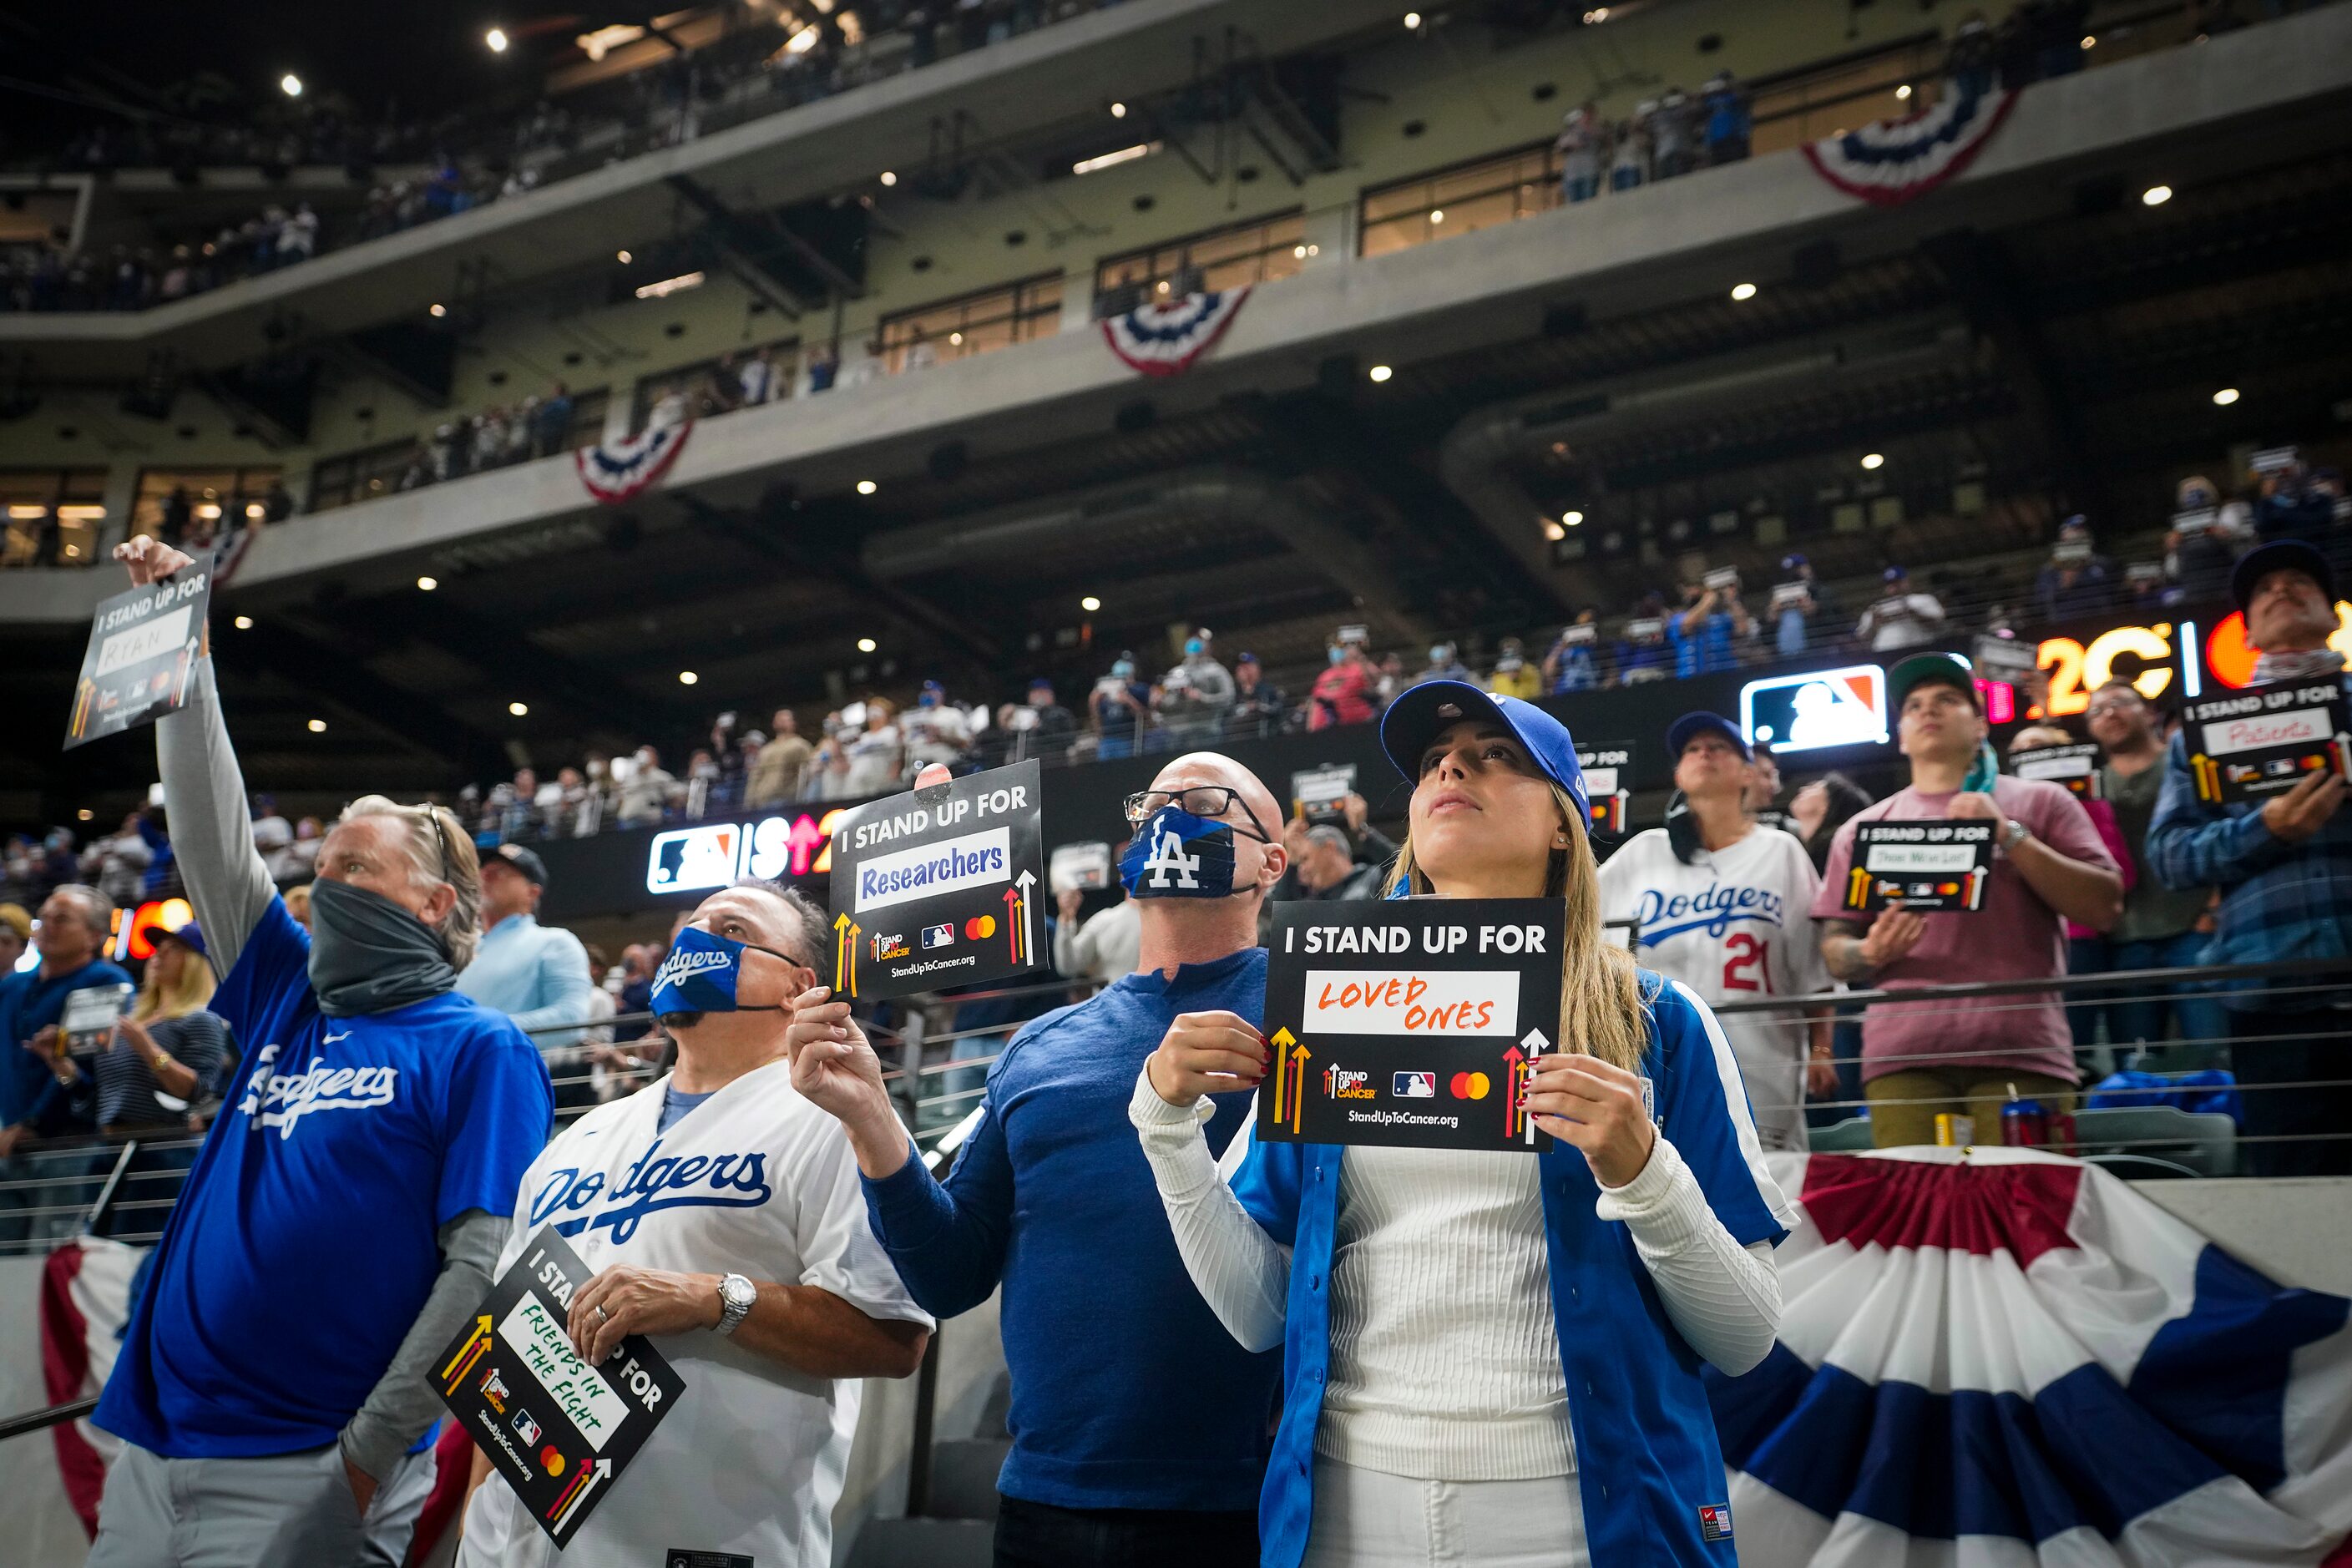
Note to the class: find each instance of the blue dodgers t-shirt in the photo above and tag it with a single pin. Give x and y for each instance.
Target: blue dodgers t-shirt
(305, 1240)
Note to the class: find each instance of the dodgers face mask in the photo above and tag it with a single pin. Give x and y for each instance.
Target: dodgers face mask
(702, 974)
(1176, 854)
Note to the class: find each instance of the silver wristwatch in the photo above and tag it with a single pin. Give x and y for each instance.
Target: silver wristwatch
(737, 1296)
(2014, 833)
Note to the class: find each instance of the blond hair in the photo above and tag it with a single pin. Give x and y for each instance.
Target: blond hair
(187, 994)
(439, 850)
(1601, 1009)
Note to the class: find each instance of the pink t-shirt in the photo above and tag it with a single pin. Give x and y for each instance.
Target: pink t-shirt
(2014, 936)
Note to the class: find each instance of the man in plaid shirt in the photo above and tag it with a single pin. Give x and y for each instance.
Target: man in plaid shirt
(2284, 868)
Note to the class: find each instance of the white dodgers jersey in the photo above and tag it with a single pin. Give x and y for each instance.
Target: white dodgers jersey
(1734, 925)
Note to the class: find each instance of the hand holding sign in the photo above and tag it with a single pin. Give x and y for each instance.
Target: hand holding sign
(150, 560)
(1597, 1107)
(1974, 804)
(627, 1299)
(834, 1065)
(1207, 1053)
(1892, 936)
(2304, 810)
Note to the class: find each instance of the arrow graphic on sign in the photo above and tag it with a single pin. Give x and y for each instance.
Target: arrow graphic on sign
(1290, 1056)
(1537, 1044)
(1515, 1073)
(567, 1501)
(477, 1345)
(845, 956)
(1016, 919)
(1028, 944)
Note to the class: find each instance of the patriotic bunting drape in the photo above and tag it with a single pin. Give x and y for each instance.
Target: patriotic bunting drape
(2002, 1357)
(1164, 339)
(86, 1289)
(1890, 162)
(624, 469)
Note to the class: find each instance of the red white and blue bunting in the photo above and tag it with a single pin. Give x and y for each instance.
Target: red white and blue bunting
(1164, 339)
(627, 468)
(2004, 1358)
(1889, 161)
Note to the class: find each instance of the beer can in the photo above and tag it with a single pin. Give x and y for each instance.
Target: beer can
(2024, 1124)
(1954, 1129)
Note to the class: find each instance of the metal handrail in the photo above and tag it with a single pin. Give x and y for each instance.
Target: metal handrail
(2168, 977)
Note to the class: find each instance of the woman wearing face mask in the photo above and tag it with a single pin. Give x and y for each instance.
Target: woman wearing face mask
(1491, 1358)
(345, 1213)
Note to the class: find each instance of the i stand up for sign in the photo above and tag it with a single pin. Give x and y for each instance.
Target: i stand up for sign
(1938, 865)
(939, 887)
(557, 1428)
(2258, 742)
(143, 648)
(1411, 1022)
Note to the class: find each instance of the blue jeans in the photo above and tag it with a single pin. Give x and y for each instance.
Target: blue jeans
(1625, 179)
(2137, 1014)
(1579, 187)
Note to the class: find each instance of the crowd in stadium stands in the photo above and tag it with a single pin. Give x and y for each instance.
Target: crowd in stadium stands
(462, 163)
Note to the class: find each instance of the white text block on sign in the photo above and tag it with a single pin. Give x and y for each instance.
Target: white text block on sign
(1431, 1003)
(1927, 857)
(2296, 727)
(537, 1335)
(140, 644)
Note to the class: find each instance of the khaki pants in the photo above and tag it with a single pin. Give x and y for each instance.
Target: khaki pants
(286, 1511)
(1903, 1105)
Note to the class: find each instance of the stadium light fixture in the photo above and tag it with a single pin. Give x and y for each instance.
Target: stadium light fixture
(955, 340)
(92, 513)
(1090, 604)
(244, 623)
(669, 286)
(1380, 372)
(804, 40)
(1413, 21)
(1743, 292)
(1554, 531)
(1874, 459)
(687, 677)
(866, 645)
(2225, 396)
(1112, 159)
(623, 257)
(497, 40)
(2155, 195)
(867, 487)
(1572, 519)
(1118, 112)
(318, 726)
(888, 176)
(1903, 92)
(1438, 214)
(2090, 40)
(426, 584)
(290, 85)
(85, 813)
(517, 709)
(436, 310)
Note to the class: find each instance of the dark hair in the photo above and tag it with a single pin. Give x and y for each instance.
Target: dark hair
(1846, 798)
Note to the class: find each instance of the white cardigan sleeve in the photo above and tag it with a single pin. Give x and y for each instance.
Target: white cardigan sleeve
(1723, 1297)
(1242, 1273)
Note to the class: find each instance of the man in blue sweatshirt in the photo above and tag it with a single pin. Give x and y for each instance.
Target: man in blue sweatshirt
(1140, 1427)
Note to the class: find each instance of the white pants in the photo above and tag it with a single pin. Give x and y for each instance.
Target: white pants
(1367, 1519)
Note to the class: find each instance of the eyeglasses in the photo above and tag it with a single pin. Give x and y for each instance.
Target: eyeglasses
(441, 833)
(1210, 801)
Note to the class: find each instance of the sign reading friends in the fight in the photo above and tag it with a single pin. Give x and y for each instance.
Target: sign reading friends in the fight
(560, 1430)
(1413, 1023)
(2077, 766)
(1607, 770)
(940, 886)
(1942, 864)
(2257, 741)
(144, 647)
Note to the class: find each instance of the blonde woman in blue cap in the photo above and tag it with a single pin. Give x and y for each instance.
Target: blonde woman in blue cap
(1494, 1358)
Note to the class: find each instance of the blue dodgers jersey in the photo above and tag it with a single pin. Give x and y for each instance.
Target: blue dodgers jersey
(305, 1240)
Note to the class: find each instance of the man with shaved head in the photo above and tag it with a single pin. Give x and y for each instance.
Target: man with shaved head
(1140, 1427)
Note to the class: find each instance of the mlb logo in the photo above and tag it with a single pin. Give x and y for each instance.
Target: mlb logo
(525, 1427)
(1715, 1521)
(939, 936)
(1416, 1086)
(1843, 706)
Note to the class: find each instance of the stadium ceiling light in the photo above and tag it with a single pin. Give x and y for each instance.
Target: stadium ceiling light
(1904, 92)
(804, 40)
(623, 257)
(867, 487)
(669, 286)
(436, 310)
(1572, 519)
(955, 340)
(517, 709)
(2090, 40)
(497, 38)
(1873, 459)
(290, 85)
(2225, 396)
(1438, 214)
(1743, 292)
(1118, 112)
(866, 645)
(1553, 531)
(2155, 195)
(687, 677)
(85, 813)
(426, 584)
(888, 176)
(318, 726)
(1112, 159)
(1090, 604)
(244, 623)
(1380, 372)
(1413, 21)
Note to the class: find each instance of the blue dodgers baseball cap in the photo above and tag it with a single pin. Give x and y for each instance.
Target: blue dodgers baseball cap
(191, 936)
(1679, 733)
(1424, 711)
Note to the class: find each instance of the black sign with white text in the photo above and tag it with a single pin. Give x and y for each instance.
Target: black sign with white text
(144, 647)
(940, 886)
(2260, 741)
(1937, 865)
(1607, 770)
(2075, 766)
(559, 1430)
(1412, 1023)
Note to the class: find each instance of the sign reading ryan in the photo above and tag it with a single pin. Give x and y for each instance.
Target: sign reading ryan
(939, 887)
(1410, 1022)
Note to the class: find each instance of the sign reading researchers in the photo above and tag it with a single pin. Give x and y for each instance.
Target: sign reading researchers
(939, 887)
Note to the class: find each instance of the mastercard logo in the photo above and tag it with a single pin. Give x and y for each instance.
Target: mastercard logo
(979, 926)
(552, 1458)
(1469, 1086)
